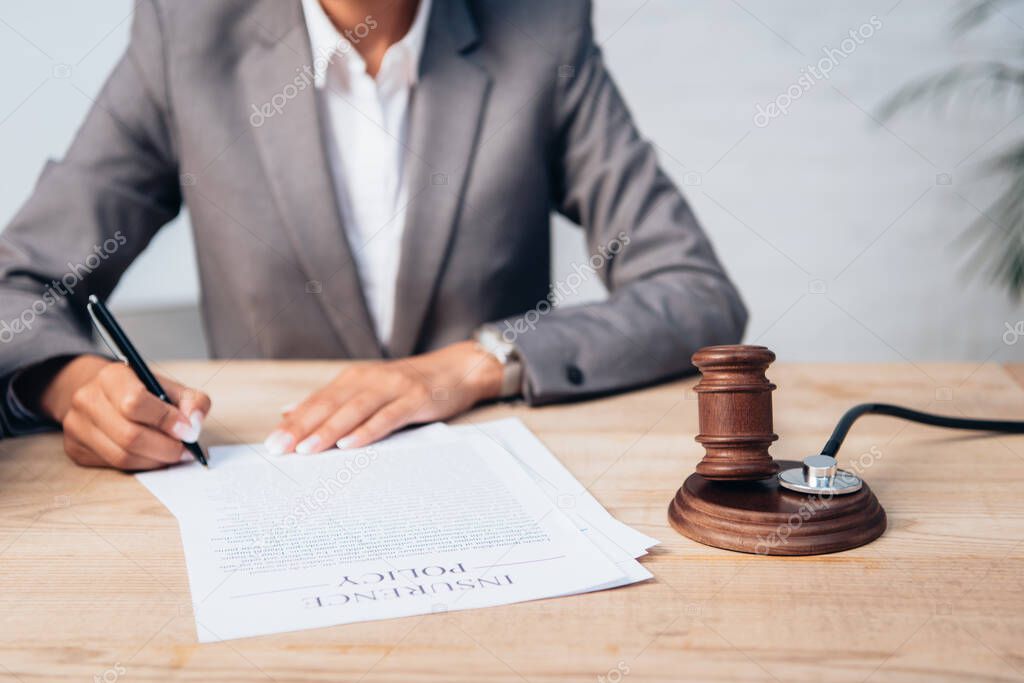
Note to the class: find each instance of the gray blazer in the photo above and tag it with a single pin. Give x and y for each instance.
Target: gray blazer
(514, 115)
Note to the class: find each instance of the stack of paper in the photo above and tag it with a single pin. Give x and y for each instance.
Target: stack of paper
(440, 518)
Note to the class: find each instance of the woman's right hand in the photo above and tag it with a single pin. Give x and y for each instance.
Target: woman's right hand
(110, 420)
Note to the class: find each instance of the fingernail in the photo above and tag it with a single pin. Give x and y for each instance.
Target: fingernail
(183, 431)
(310, 445)
(289, 408)
(278, 442)
(346, 442)
(197, 423)
(185, 456)
(189, 431)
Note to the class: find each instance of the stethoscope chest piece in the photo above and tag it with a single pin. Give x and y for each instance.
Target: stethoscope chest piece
(820, 475)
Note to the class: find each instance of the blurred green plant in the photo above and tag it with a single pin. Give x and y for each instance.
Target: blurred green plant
(998, 236)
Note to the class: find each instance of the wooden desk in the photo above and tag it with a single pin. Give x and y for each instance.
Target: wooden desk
(93, 577)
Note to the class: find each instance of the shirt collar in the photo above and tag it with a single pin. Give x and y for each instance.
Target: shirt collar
(328, 45)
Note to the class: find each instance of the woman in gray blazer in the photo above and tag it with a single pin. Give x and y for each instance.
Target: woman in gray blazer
(364, 179)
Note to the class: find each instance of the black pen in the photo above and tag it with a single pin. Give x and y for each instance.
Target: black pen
(119, 343)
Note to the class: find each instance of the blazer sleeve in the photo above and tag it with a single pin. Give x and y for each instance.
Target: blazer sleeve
(669, 296)
(88, 217)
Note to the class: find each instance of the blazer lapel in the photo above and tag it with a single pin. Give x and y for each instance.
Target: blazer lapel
(446, 112)
(287, 128)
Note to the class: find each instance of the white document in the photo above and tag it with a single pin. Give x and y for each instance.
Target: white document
(620, 543)
(281, 543)
(550, 475)
(559, 485)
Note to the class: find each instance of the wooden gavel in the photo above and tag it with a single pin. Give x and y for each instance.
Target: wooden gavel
(734, 402)
(734, 500)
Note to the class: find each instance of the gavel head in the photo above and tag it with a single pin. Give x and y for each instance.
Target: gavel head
(734, 402)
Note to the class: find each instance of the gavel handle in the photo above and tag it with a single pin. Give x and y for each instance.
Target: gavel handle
(851, 415)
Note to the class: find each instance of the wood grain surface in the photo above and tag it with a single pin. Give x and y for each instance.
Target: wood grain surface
(93, 583)
(1017, 371)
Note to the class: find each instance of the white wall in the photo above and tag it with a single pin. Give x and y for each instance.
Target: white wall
(839, 234)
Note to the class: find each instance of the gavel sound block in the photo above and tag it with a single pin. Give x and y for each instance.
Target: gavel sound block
(734, 500)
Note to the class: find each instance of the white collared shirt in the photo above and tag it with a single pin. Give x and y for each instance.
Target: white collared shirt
(366, 124)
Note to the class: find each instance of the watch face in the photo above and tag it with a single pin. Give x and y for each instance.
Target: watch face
(492, 343)
(489, 338)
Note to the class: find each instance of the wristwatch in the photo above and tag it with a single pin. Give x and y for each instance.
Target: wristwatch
(491, 341)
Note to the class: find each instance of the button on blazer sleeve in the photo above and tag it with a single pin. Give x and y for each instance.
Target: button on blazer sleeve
(90, 214)
(668, 293)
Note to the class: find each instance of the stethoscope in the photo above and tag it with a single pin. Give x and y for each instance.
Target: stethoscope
(820, 474)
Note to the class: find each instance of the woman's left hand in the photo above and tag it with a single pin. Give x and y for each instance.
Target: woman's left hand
(368, 401)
